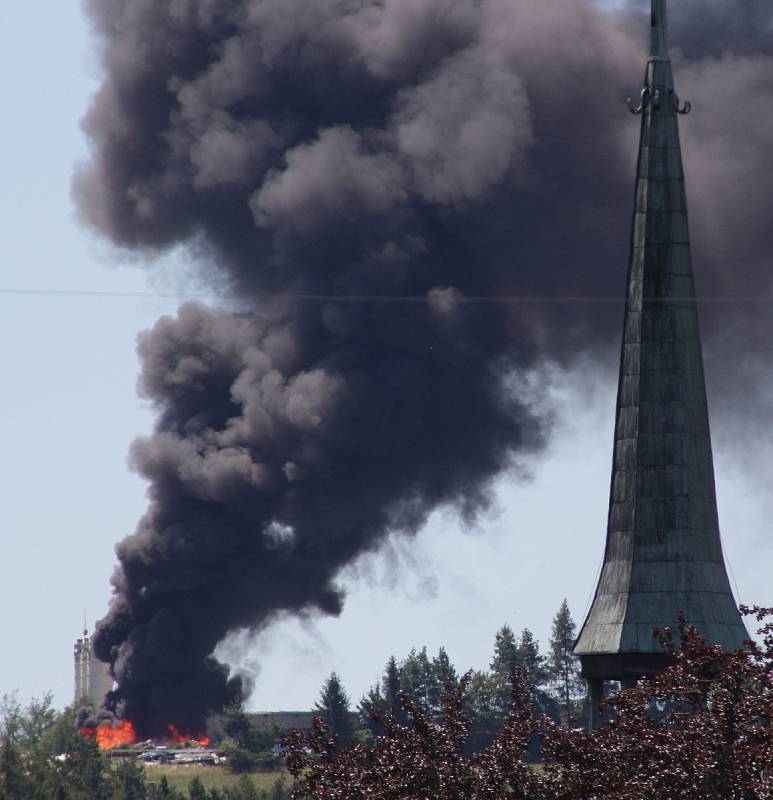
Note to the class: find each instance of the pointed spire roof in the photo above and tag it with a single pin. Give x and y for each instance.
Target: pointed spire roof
(659, 38)
(663, 551)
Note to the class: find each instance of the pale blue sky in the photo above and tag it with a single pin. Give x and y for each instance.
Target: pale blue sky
(69, 412)
(68, 404)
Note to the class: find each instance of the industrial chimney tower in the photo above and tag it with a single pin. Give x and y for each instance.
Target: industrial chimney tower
(92, 676)
(663, 551)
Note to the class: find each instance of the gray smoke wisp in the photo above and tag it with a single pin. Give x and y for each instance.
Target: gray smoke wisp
(435, 151)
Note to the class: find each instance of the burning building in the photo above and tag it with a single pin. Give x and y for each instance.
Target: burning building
(92, 676)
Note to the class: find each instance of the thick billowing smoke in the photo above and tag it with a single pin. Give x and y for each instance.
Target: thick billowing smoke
(364, 176)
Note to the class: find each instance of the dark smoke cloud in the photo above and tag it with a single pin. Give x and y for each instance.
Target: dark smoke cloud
(333, 152)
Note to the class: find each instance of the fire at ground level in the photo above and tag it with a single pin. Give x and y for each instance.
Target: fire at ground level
(122, 734)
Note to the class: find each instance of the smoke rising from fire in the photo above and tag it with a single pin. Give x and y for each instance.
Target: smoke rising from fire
(360, 174)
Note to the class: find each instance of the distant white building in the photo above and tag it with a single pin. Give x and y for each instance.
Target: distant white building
(92, 676)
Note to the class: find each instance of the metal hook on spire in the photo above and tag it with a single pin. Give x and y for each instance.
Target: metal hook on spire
(681, 109)
(636, 109)
(648, 97)
(645, 96)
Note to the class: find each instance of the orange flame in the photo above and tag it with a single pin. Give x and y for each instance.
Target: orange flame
(183, 738)
(109, 736)
(122, 734)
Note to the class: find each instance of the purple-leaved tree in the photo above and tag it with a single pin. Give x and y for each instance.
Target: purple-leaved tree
(700, 730)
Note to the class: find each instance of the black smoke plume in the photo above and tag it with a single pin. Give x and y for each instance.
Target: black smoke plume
(370, 180)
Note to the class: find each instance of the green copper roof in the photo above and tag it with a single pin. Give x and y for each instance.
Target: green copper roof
(663, 551)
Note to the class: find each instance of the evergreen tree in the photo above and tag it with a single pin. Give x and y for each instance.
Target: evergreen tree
(130, 777)
(37, 723)
(484, 708)
(85, 773)
(196, 790)
(390, 688)
(333, 708)
(511, 653)
(383, 699)
(530, 660)
(244, 732)
(247, 790)
(372, 702)
(507, 657)
(443, 676)
(247, 742)
(563, 665)
(13, 778)
(422, 679)
(417, 677)
(167, 792)
(506, 654)
(236, 725)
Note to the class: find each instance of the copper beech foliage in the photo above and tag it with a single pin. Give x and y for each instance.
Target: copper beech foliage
(701, 730)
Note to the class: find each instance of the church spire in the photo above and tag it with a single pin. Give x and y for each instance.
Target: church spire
(663, 552)
(659, 46)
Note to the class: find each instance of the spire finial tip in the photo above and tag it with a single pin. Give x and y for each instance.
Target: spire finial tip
(659, 29)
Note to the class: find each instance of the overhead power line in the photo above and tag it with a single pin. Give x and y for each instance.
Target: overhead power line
(349, 298)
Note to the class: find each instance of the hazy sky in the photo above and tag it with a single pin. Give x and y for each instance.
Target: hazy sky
(70, 366)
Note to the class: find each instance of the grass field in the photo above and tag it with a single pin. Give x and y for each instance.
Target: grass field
(211, 777)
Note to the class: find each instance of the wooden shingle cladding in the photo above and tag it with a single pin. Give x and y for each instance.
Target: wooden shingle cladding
(663, 552)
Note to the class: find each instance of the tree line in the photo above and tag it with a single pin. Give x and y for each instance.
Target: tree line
(556, 688)
(700, 730)
(43, 756)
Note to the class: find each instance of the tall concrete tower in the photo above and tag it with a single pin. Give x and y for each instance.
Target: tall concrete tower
(663, 551)
(92, 676)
